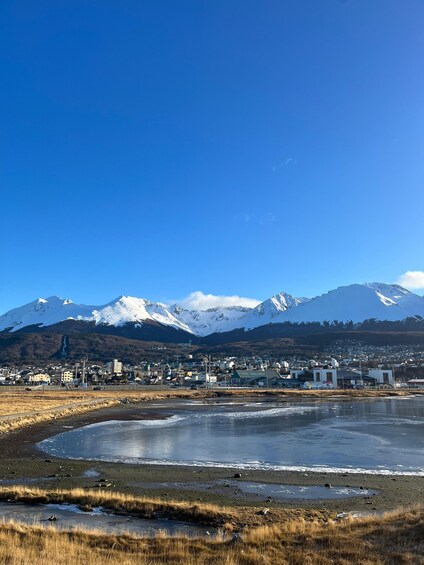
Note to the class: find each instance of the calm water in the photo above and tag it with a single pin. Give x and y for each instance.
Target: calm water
(382, 436)
(69, 517)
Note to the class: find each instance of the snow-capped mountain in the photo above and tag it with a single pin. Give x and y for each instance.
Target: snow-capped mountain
(359, 302)
(123, 310)
(128, 309)
(355, 303)
(44, 311)
(270, 311)
(205, 322)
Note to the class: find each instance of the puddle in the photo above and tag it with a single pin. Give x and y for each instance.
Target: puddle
(264, 491)
(91, 473)
(296, 492)
(27, 481)
(69, 516)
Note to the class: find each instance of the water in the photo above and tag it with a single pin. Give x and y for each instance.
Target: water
(295, 492)
(265, 491)
(69, 517)
(371, 436)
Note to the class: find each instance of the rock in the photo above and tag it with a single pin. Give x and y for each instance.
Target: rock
(327, 485)
(48, 461)
(236, 539)
(237, 475)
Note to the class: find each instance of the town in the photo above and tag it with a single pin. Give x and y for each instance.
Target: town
(346, 365)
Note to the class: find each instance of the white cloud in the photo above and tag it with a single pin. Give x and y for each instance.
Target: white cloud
(201, 301)
(289, 161)
(412, 280)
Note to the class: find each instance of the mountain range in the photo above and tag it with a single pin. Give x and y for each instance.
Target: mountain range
(143, 319)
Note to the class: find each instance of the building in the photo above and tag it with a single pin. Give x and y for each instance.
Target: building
(67, 377)
(381, 376)
(325, 376)
(248, 377)
(39, 379)
(116, 368)
(416, 383)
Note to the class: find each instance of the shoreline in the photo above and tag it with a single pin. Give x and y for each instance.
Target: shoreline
(23, 463)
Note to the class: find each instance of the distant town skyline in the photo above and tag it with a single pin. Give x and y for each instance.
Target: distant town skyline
(156, 149)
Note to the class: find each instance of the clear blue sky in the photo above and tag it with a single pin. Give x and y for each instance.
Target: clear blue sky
(155, 148)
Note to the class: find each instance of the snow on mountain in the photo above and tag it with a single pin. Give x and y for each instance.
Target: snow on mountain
(205, 322)
(127, 309)
(356, 302)
(44, 311)
(269, 311)
(359, 302)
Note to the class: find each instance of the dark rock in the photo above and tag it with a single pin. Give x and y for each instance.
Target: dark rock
(237, 475)
(236, 539)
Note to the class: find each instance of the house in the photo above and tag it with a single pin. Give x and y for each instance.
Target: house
(381, 376)
(416, 383)
(252, 377)
(325, 376)
(39, 379)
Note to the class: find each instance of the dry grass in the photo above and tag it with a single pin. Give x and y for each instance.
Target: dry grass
(229, 519)
(395, 538)
(144, 507)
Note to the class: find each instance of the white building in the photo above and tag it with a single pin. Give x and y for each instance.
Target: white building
(67, 377)
(116, 368)
(328, 376)
(381, 376)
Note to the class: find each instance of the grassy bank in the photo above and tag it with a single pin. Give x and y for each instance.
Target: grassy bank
(395, 538)
(229, 519)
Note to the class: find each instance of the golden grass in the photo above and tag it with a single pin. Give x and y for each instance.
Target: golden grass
(144, 507)
(395, 538)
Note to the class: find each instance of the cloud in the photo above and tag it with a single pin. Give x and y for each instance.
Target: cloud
(200, 301)
(249, 218)
(412, 280)
(286, 163)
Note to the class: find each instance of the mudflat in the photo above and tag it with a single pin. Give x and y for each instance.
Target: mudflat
(22, 462)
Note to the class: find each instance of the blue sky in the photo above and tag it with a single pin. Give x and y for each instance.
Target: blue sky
(156, 148)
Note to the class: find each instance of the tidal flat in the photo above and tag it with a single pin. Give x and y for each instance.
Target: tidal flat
(23, 462)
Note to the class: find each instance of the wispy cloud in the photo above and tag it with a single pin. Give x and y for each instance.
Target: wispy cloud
(414, 280)
(287, 162)
(249, 218)
(198, 300)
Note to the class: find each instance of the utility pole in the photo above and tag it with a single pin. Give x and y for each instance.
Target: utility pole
(207, 361)
(83, 371)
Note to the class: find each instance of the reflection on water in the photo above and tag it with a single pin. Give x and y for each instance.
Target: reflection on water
(68, 516)
(384, 435)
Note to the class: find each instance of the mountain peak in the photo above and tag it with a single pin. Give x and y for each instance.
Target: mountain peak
(356, 303)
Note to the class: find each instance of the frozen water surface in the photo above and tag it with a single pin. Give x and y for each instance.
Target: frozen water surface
(375, 436)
